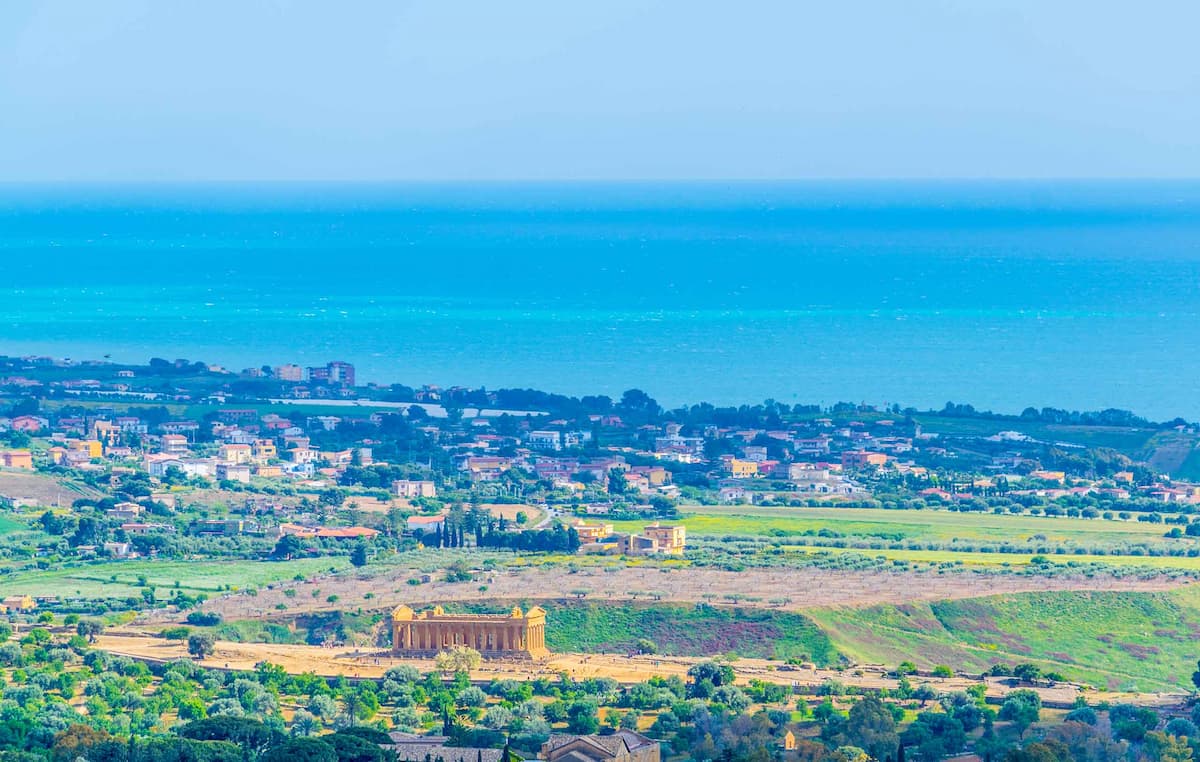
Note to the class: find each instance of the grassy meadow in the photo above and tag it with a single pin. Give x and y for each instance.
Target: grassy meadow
(922, 525)
(122, 579)
(684, 630)
(1113, 640)
(943, 536)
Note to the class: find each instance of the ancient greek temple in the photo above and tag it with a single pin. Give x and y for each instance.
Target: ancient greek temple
(516, 635)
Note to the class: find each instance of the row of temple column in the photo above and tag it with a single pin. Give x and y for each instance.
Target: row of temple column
(433, 636)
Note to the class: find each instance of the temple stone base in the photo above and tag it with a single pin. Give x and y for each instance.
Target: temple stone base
(517, 635)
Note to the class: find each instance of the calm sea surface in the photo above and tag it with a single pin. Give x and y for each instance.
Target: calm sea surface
(1077, 295)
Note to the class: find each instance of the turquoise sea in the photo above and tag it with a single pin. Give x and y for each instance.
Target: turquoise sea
(1004, 295)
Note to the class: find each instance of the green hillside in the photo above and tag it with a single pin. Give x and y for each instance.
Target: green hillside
(1115, 640)
(683, 630)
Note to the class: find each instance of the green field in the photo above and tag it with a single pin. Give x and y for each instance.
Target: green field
(927, 524)
(981, 560)
(947, 536)
(681, 630)
(97, 580)
(1114, 640)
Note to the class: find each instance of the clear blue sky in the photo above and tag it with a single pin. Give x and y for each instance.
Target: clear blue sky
(608, 89)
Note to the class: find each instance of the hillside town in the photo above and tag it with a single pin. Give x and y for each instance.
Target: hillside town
(421, 455)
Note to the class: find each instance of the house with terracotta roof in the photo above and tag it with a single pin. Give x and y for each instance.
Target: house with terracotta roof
(29, 423)
(409, 747)
(863, 458)
(347, 533)
(621, 746)
(174, 444)
(22, 459)
(236, 453)
(17, 603)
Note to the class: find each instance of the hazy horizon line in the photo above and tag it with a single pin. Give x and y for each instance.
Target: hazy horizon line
(607, 181)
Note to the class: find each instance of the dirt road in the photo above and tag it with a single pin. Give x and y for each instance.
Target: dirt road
(351, 662)
(787, 589)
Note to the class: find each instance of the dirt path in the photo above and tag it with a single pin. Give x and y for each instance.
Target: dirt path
(331, 662)
(787, 589)
(350, 662)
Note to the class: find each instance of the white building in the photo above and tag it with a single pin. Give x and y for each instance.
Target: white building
(410, 488)
(545, 440)
(234, 472)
